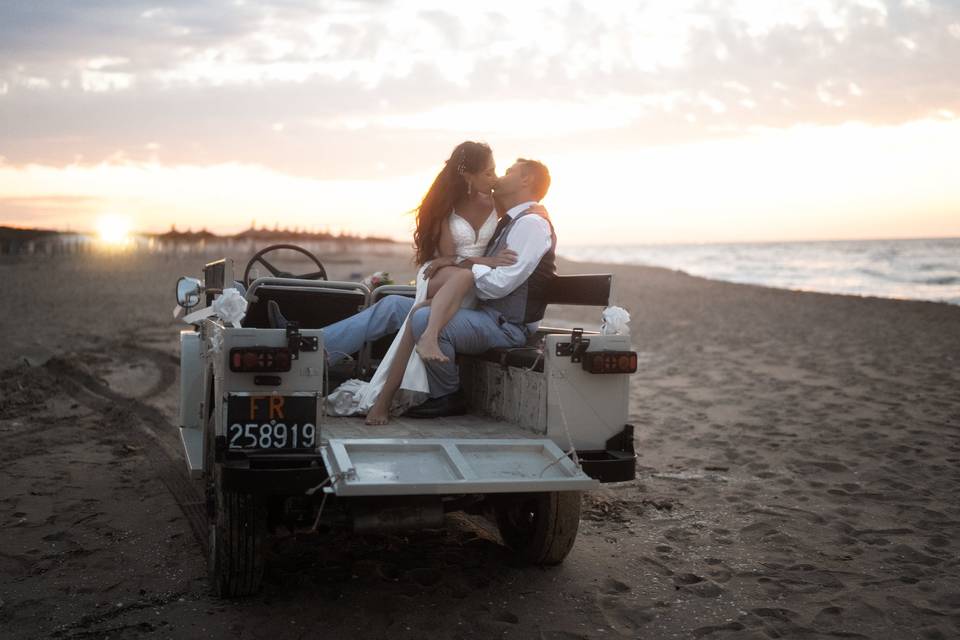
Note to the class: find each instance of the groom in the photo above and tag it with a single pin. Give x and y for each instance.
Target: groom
(512, 298)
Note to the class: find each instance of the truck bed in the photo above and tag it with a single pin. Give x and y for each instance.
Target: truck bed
(455, 427)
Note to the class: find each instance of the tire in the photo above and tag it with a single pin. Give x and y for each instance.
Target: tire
(540, 528)
(238, 531)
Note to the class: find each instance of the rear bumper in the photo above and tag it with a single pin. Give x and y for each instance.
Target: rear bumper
(616, 463)
(271, 473)
(272, 481)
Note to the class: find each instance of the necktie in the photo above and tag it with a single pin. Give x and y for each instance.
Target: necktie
(501, 224)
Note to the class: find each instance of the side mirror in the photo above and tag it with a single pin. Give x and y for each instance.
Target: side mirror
(188, 292)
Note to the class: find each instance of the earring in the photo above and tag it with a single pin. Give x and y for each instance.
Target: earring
(469, 188)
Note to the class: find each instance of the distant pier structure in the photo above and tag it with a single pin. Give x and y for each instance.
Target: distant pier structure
(253, 239)
(42, 242)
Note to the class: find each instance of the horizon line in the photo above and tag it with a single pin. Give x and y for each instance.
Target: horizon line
(347, 234)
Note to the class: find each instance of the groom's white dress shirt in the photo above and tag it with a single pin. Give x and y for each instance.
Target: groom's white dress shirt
(530, 237)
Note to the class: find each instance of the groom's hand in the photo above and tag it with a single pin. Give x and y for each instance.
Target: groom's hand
(502, 258)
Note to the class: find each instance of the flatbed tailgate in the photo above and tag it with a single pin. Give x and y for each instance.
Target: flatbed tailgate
(439, 466)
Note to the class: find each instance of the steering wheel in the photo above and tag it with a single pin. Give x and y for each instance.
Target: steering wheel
(320, 274)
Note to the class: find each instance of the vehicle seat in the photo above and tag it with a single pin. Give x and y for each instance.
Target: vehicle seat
(314, 305)
(581, 289)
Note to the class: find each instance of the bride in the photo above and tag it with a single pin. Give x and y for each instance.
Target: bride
(454, 223)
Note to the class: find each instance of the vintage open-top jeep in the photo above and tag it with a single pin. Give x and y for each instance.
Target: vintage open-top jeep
(545, 423)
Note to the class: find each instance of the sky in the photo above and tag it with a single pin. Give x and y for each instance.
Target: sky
(661, 121)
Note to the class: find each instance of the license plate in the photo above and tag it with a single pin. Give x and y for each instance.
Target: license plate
(271, 422)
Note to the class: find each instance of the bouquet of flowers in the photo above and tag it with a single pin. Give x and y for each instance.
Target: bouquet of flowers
(377, 279)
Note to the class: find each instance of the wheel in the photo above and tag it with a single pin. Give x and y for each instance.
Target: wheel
(238, 531)
(237, 544)
(540, 527)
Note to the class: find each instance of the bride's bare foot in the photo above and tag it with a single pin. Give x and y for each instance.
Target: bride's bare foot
(429, 350)
(377, 415)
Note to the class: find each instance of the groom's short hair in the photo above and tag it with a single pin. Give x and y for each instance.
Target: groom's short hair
(540, 175)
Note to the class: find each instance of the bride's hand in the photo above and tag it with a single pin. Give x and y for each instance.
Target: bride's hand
(539, 209)
(436, 264)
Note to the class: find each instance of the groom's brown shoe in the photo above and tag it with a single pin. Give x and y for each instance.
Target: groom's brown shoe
(452, 404)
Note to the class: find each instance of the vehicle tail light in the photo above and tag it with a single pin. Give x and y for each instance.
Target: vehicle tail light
(259, 359)
(610, 361)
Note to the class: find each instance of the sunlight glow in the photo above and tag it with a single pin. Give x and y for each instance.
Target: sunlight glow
(802, 183)
(114, 230)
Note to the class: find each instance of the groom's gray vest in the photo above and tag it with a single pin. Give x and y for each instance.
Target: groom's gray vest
(526, 303)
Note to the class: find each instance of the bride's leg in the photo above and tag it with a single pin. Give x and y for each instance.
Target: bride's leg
(444, 305)
(379, 413)
(440, 278)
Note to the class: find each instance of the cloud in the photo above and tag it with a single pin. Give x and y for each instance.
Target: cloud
(46, 210)
(343, 89)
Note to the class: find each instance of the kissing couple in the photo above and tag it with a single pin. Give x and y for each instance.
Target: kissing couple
(481, 285)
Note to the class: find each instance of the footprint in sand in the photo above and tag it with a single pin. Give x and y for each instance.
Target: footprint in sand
(687, 578)
(701, 632)
(425, 576)
(697, 585)
(657, 566)
(949, 601)
(508, 617)
(775, 613)
(718, 572)
(56, 536)
(676, 534)
(905, 554)
(774, 621)
(624, 616)
(937, 542)
(719, 536)
(757, 531)
(614, 587)
(828, 617)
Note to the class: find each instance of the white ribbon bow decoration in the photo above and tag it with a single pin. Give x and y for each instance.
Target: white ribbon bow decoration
(230, 306)
(615, 321)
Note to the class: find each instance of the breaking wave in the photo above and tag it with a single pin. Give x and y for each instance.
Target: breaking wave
(920, 269)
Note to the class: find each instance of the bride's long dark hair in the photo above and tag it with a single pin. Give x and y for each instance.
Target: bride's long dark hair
(448, 187)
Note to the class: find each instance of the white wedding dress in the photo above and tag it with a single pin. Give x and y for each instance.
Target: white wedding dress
(355, 397)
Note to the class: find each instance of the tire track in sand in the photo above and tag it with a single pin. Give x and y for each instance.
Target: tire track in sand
(124, 412)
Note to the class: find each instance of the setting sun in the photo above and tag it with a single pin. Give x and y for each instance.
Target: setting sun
(114, 230)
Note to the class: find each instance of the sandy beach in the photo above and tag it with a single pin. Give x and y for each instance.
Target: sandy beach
(798, 477)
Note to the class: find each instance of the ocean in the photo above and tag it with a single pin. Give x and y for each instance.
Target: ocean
(917, 269)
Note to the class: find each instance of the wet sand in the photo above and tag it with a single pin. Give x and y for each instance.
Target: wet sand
(798, 477)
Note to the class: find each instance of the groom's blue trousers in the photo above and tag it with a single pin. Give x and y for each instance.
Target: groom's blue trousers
(347, 336)
(470, 331)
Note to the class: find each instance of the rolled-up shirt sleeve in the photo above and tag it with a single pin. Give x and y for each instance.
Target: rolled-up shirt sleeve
(530, 237)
